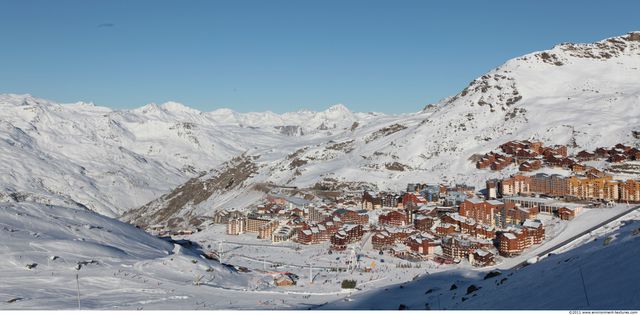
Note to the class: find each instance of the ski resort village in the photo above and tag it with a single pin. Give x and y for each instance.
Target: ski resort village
(318, 238)
(521, 191)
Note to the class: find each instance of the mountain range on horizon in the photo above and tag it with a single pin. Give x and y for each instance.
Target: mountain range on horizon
(112, 161)
(80, 183)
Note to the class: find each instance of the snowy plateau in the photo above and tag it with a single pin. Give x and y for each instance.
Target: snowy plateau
(76, 179)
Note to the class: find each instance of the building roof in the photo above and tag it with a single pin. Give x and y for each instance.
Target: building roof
(482, 253)
(532, 224)
(529, 199)
(298, 201)
(510, 236)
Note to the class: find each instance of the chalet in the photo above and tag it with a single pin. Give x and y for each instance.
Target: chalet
(284, 279)
(554, 207)
(565, 213)
(578, 168)
(601, 153)
(486, 160)
(515, 241)
(566, 162)
(413, 201)
(617, 158)
(351, 216)
(371, 201)
(397, 218)
(585, 156)
(469, 226)
(400, 250)
(633, 154)
(525, 154)
(317, 233)
(622, 148)
(305, 236)
(529, 166)
(459, 246)
(482, 258)
(445, 229)
(593, 173)
(501, 163)
(423, 223)
(559, 150)
(349, 233)
(512, 147)
(422, 244)
(509, 245)
(553, 159)
(382, 240)
(534, 232)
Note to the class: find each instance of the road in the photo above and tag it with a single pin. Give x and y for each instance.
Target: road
(573, 238)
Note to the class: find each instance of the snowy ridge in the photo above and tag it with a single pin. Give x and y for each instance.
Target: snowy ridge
(581, 95)
(113, 160)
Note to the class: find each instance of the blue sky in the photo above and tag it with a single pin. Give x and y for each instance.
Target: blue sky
(388, 56)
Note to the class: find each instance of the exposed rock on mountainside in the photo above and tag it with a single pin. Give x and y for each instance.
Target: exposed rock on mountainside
(232, 175)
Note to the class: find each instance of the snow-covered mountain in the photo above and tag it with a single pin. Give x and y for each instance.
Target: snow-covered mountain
(111, 160)
(582, 95)
(68, 169)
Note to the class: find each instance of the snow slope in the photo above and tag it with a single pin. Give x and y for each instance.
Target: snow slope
(43, 247)
(581, 95)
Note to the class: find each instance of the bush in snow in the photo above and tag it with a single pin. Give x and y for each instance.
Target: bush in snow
(348, 284)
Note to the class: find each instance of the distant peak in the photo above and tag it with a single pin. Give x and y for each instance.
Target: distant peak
(22, 100)
(178, 107)
(148, 107)
(338, 108)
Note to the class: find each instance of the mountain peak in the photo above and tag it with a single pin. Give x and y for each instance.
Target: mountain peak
(338, 108)
(22, 100)
(178, 107)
